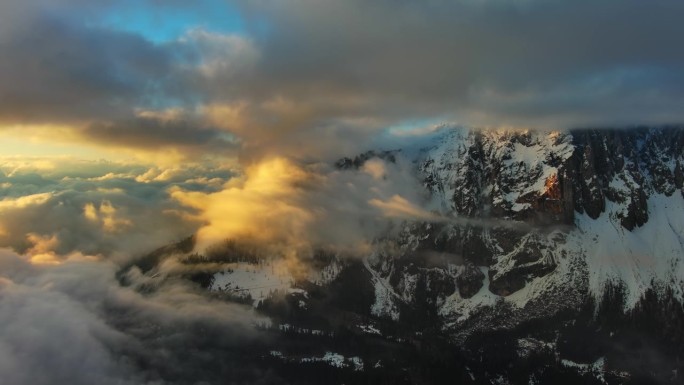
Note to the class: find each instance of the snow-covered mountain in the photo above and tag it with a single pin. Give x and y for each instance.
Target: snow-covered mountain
(550, 218)
(558, 257)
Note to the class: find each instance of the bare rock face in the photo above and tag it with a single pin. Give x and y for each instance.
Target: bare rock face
(591, 192)
(505, 284)
(359, 160)
(502, 174)
(529, 259)
(475, 250)
(637, 211)
(626, 167)
(469, 281)
(678, 175)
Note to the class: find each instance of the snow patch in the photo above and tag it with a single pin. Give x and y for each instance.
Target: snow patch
(384, 305)
(253, 281)
(370, 329)
(337, 360)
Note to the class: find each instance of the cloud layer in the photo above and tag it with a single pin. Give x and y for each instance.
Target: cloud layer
(313, 79)
(74, 323)
(51, 208)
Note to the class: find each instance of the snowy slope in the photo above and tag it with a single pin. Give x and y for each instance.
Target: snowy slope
(255, 281)
(648, 255)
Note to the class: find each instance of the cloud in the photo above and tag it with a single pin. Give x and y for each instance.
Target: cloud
(74, 323)
(191, 137)
(67, 78)
(97, 222)
(31, 352)
(320, 79)
(53, 208)
(520, 62)
(57, 70)
(299, 207)
(262, 204)
(399, 207)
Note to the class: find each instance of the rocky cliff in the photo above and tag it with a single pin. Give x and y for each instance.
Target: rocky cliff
(540, 221)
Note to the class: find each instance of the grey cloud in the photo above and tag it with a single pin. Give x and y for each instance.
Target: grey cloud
(55, 70)
(60, 67)
(39, 326)
(559, 64)
(314, 79)
(74, 323)
(144, 132)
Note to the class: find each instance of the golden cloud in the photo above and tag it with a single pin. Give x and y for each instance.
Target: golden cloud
(263, 205)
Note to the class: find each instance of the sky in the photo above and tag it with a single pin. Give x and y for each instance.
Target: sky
(126, 125)
(244, 80)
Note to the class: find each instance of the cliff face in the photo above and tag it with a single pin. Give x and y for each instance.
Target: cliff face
(544, 177)
(626, 167)
(542, 220)
(503, 174)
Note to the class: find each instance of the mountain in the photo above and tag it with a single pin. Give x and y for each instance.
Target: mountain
(550, 218)
(558, 257)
